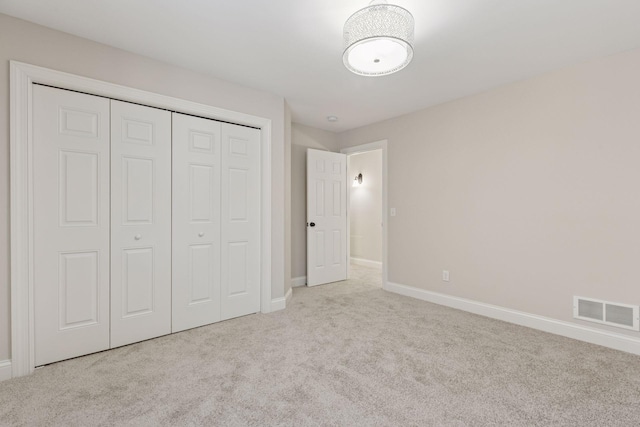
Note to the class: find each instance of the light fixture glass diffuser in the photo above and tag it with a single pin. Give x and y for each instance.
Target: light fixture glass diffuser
(378, 39)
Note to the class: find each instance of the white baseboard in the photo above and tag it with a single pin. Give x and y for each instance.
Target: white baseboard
(281, 303)
(296, 282)
(5, 370)
(546, 324)
(366, 262)
(287, 297)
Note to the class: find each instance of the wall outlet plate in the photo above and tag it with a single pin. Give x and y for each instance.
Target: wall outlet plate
(445, 275)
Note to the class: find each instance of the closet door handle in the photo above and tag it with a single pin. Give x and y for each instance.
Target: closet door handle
(137, 237)
(200, 234)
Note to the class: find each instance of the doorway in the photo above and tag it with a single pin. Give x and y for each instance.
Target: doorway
(367, 212)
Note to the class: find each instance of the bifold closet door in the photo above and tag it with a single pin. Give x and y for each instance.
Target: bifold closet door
(70, 224)
(103, 222)
(216, 221)
(240, 221)
(140, 223)
(196, 222)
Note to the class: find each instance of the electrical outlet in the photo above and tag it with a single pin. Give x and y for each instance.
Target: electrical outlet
(393, 211)
(445, 275)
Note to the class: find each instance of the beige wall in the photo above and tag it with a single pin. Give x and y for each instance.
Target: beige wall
(365, 206)
(528, 194)
(34, 44)
(302, 138)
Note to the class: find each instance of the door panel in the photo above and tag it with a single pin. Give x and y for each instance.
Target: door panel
(238, 197)
(201, 180)
(326, 210)
(79, 188)
(140, 223)
(71, 224)
(78, 289)
(201, 274)
(137, 190)
(137, 281)
(337, 247)
(320, 252)
(237, 268)
(240, 221)
(196, 222)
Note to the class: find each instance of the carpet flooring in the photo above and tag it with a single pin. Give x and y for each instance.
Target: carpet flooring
(344, 354)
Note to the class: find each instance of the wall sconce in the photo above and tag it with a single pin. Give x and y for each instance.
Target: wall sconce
(357, 180)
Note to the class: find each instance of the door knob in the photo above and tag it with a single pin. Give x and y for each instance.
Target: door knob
(312, 224)
(200, 234)
(137, 237)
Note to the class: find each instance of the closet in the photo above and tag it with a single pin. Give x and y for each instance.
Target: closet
(146, 222)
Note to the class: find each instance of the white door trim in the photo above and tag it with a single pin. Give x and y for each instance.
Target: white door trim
(363, 148)
(23, 76)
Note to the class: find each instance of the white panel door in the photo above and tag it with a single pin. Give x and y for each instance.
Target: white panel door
(326, 217)
(196, 222)
(140, 223)
(71, 223)
(240, 221)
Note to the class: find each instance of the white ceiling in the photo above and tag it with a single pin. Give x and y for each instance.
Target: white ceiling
(293, 48)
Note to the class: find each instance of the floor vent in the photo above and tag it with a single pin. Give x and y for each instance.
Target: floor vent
(607, 313)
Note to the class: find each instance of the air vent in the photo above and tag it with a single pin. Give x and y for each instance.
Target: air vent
(607, 313)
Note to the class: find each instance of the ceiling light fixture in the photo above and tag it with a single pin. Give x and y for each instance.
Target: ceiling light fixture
(378, 39)
(332, 118)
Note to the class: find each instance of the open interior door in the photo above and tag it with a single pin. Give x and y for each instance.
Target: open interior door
(326, 217)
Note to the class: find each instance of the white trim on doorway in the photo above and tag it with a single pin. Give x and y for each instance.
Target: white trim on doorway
(23, 76)
(363, 148)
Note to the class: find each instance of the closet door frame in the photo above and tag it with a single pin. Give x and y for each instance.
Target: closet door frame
(22, 78)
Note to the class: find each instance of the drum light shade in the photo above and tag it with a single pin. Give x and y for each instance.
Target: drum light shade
(378, 39)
